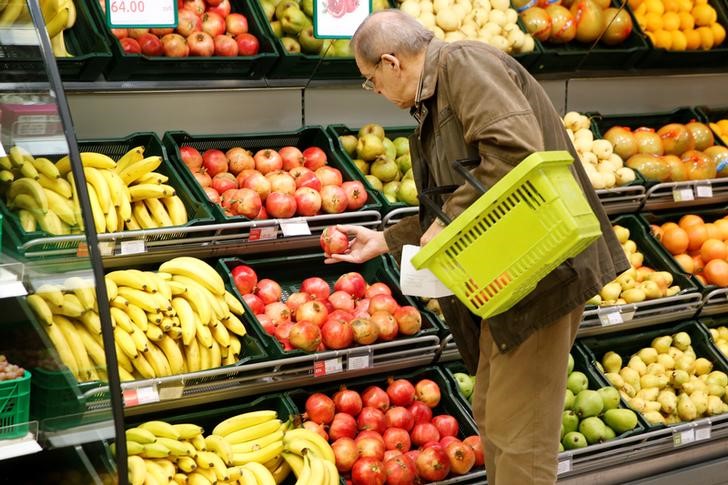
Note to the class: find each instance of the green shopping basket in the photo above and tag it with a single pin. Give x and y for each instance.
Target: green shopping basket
(495, 252)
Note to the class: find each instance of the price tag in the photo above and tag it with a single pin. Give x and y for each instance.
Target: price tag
(703, 189)
(611, 318)
(171, 391)
(702, 432)
(12, 288)
(2, 151)
(683, 437)
(106, 248)
(564, 466)
(263, 233)
(141, 395)
(141, 13)
(18, 35)
(295, 227)
(361, 361)
(135, 246)
(682, 194)
(328, 366)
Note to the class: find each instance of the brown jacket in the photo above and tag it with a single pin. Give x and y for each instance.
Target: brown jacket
(476, 102)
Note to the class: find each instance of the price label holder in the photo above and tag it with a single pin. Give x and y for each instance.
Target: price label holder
(263, 233)
(614, 315)
(122, 14)
(683, 435)
(171, 390)
(682, 194)
(106, 248)
(2, 151)
(703, 189)
(360, 360)
(25, 445)
(703, 430)
(565, 464)
(11, 281)
(135, 246)
(295, 227)
(326, 367)
(140, 395)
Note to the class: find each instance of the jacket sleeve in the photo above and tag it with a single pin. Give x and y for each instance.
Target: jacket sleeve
(406, 231)
(495, 114)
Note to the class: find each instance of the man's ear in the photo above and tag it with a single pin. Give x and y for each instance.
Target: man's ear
(390, 61)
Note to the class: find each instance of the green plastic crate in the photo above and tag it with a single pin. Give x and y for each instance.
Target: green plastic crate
(140, 67)
(539, 193)
(290, 271)
(301, 138)
(197, 213)
(630, 342)
(14, 407)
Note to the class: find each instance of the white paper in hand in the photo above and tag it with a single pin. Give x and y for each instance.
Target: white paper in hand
(421, 282)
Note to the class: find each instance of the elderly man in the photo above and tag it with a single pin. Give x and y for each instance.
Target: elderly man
(473, 101)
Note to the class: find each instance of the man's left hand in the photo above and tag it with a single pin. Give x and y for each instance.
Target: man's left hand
(431, 232)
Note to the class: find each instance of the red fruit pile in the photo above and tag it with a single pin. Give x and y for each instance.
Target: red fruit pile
(276, 184)
(390, 436)
(205, 28)
(315, 319)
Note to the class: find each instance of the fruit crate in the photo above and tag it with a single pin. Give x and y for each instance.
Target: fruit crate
(138, 67)
(303, 137)
(14, 407)
(601, 319)
(58, 393)
(84, 41)
(583, 57)
(712, 115)
(712, 322)
(630, 342)
(666, 195)
(450, 369)
(449, 404)
(658, 58)
(40, 244)
(290, 271)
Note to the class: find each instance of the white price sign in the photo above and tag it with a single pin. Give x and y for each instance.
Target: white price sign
(564, 466)
(295, 227)
(142, 395)
(683, 194)
(136, 246)
(141, 13)
(703, 189)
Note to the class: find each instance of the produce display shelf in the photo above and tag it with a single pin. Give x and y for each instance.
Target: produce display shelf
(715, 302)
(450, 352)
(680, 195)
(622, 200)
(394, 216)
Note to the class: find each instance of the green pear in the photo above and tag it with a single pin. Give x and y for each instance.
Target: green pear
(390, 198)
(307, 7)
(402, 144)
(391, 188)
(374, 182)
(369, 147)
(569, 400)
(465, 383)
(291, 45)
(408, 175)
(662, 344)
(609, 433)
(681, 340)
(293, 20)
(593, 429)
(577, 382)
(348, 142)
(588, 403)
(561, 447)
(686, 408)
(283, 5)
(372, 129)
(612, 362)
(390, 151)
(570, 421)
(384, 169)
(275, 26)
(311, 45)
(562, 431)
(327, 50)
(362, 166)
(269, 8)
(610, 397)
(342, 48)
(574, 440)
(404, 162)
(620, 420)
(570, 364)
(407, 192)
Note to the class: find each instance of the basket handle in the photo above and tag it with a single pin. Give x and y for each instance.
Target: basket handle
(426, 198)
(463, 166)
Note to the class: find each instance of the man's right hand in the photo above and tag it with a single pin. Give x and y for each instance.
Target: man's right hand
(367, 244)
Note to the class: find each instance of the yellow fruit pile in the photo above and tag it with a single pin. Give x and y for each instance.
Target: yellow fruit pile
(679, 25)
(720, 338)
(721, 129)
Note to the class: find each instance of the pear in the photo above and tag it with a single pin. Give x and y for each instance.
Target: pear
(407, 192)
(569, 400)
(612, 362)
(293, 20)
(652, 290)
(651, 406)
(307, 7)
(638, 404)
(269, 9)
(277, 29)
(610, 397)
(654, 418)
(593, 429)
(622, 233)
(631, 377)
(629, 390)
(620, 420)
(574, 440)
(291, 45)
(342, 48)
(686, 363)
(615, 379)
(703, 366)
(372, 129)
(634, 295)
(283, 5)
(637, 364)
(686, 408)
(715, 406)
(404, 162)
(390, 151)
(678, 378)
(666, 361)
(312, 45)
(656, 369)
(694, 385)
(369, 147)
(700, 399)
(408, 175)
(649, 394)
(716, 390)
(609, 433)
(402, 144)
(391, 188)
(668, 401)
(610, 291)
(588, 403)
(362, 166)
(570, 421)
(374, 182)
(649, 381)
(720, 378)
(385, 170)
(681, 340)
(662, 344)
(675, 353)
(569, 364)
(561, 446)
(577, 382)
(626, 281)
(648, 355)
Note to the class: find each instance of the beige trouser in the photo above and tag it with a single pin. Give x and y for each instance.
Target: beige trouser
(518, 400)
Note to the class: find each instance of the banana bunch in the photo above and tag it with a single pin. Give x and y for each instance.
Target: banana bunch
(310, 457)
(179, 319)
(58, 16)
(124, 195)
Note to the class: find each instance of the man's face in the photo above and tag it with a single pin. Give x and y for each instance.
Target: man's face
(387, 78)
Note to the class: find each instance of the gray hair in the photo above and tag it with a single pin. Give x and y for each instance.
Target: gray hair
(389, 31)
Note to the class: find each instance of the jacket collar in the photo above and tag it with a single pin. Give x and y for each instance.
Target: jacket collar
(428, 78)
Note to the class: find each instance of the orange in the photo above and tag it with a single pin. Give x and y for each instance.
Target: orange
(653, 22)
(713, 231)
(693, 39)
(687, 22)
(722, 225)
(706, 38)
(698, 264)
(704, 15)
(685, 5)
(718, 33)
(657, 231)
(716, 272)
(679, 41)
(670, 21)
(723, 124)
(701, 279)
(690, 220)
(662, 39)
(634, 4)
(671, 5)
(655, 6)
(676, 240)
(668, 226)
(685, 262)
(697, 235)
(713, 249)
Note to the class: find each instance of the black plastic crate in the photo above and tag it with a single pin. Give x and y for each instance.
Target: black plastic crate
(713, 322)
(712, 115)
(125, 66)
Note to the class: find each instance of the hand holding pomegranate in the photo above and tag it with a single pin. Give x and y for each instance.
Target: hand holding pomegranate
(367, 244)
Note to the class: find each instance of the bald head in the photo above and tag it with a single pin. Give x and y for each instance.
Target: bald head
(389, 31)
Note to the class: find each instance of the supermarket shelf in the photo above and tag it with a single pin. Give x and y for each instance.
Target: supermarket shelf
(11, 277)
(393, 217)
(450, 350)
(671, 195)
(622, 200)
(78, 435)
(715, 302)
(25, 445)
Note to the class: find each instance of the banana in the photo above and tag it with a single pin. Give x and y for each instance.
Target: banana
(25, 201)
(230, 359)
(48, 222)
(235, 346)
(319, 473)
(51, 293)
(218, 307)
(29, 187)
(154, 333)
(133, 278)
(253, 445)
(282, 472)
(247, 477)
(18, 156)
(152, 178)
(235, 474)
(158, 212)
(176, 448)
(5, 163)
(218, 445)
(94, 177)
(91, 322)
(6, 176)
(57, 185)
(62, 207)
(142, 299)
(176, 287)
(93, 349)
(113, 224)
(143, 367)
(199, 303)
(126, 211)
(125, 375)
(126, 344)
(215, 356)
(155, 450)
(243, 421)
(28, 171)
(137, 316)
(142, 216)
(234, 305)
(83, 289)
(186, 318)
(140, 435)
(262, 474)
(192, 356)
(111, 289)
(199, 443)
(46, 167)
(135, 170)
(72, 306)
(295, 462)
(62, 347)
(156, 471)
(187, 464)
(140, 339)
(159, 363)
(197, 270)
(58, 44)
(220, 334)
(188, 431)
(132, 156)
(180, 479)
(234, 325)
(98, 213)
(137, 470)
(133, 448)
(253, 432)
(40, 308)
(176, 210)
(174, 355)
(88, 159)
(150, 191)
(161, 284)
(167, 466)
(305, 476)
(197, 478)
(204, 357)
(122, 320)
(115, 185)
(209, 460)
(27, 221)
(204, 336)
(122, 358)
(262, 455)
(298, 439)
(76, 345)
(161, 429)
(76, 200)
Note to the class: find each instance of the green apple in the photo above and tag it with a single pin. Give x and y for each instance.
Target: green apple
(465, 383)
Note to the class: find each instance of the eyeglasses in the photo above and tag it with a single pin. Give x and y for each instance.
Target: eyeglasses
(368, 84)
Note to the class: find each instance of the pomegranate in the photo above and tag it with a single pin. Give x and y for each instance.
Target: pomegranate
(239, 159)
(223, 8)
(262, 214)
(424, 432)
(320, 408)
(225, 46)
(281, 206)
(412, 455)
(337, 335)
(188, 22)
(316, 428)
(399, 417)
(446, 440)
(371, 419)
(175, 46)
(347, 401)
(368, 471)
(356, 194)
(316, 287)
(130, 46)
(428, 392)
(150, 45)
(281, 182)
(268, 325)
(345, 453)
(161, 32)
(329, 175)
(383, 303)
(283, 330)
(333, 199)
(196, 6)
(255, 304)
(397, 439)
(376, 397)
(245, 279)
(369, 433)
(215, 162)
(334, 241)
(314, 158)
(378, 288)
(201, 44)
(296, 172)
(433, 464)
(363, 306)
(136, 33)
(213, 24)
(120, 33)
(191, 157)
(408, 319)
(308, 201)
(341, 300)
(203, 179)
(224, 181)
(235, 24)
(366, 332)
(278, 312)
(268, 290)
(343, 426)
(259, 183)
(401, 392)
(243, 174)
(420, 412)
(352, 283)
(305, 336)
(267, 161)
(247, 203)
(476, 445)
(297, 299)
(400, 470)
(370, 448)
(248, 44)
(386, 325)
(292, 157)
(446, 425)
(312, 311)
(212, 195)
(389, 454)
(460, 456)
(308, 179)
(340, 316)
